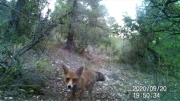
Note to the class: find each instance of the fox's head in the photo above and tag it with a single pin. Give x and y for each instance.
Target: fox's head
(72, 77)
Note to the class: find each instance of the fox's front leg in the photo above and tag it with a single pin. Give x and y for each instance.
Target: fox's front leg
(82, 92)
(73, 96)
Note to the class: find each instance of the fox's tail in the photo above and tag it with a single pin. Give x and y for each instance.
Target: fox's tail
(100, 76)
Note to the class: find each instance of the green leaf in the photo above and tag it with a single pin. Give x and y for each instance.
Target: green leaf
(31, 91)
(22, 90)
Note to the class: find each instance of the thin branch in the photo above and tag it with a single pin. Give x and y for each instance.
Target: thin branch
(162, 9)
(14, 9)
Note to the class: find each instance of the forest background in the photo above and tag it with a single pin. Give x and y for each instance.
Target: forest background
(149, 43)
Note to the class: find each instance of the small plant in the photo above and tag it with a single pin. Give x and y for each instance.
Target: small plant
(42, 63)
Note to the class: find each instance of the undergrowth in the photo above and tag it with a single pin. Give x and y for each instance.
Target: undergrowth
(155, 72)
(20, 78)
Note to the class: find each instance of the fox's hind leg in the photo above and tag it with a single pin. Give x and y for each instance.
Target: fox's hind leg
(90, 95)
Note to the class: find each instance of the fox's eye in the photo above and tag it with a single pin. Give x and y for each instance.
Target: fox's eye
(67, 79)
(74, 80)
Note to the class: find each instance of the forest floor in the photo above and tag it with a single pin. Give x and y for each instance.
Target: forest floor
(121, 79)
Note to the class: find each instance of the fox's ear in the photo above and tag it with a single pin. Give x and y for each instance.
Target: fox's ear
(79, 71)
(65, 68)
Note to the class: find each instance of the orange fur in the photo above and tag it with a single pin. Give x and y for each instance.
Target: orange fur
(80, 80)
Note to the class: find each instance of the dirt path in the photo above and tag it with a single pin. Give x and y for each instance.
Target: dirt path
(118, 86)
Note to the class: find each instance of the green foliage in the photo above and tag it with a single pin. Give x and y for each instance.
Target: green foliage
(154, 43)
(14, 77)
(42, 64)
(18, 34)
(10, 67)
(154, 37)
(18, 19)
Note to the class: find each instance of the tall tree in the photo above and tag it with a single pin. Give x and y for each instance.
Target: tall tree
(15, 14)
(85, 23)
(70, 37)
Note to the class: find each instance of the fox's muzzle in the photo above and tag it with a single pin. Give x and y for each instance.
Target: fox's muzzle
(69, 86)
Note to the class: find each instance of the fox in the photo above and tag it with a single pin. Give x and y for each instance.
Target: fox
(81, 80)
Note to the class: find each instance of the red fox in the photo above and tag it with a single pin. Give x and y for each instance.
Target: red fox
(81, 81)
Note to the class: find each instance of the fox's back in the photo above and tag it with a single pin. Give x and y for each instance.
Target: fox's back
(89, 76)
(93, 76)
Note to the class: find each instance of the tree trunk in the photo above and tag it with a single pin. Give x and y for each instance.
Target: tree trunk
(70, 37)
(15, 16)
